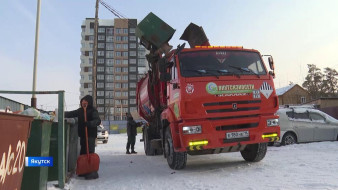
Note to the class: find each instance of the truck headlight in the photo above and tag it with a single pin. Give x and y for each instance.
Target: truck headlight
(192, 129)
(272, 122)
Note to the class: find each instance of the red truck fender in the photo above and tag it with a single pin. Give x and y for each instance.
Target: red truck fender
(168, 119)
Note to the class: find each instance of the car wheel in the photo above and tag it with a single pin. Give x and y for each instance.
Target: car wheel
(288, 139)
(105, 141)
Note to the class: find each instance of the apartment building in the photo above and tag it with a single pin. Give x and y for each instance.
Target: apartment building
(120, 62)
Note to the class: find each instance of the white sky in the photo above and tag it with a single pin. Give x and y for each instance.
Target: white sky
(295, 32)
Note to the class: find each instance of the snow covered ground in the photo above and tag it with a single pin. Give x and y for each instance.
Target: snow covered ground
(300, 166)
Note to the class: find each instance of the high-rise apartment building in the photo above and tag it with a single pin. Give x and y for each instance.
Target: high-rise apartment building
(120, 62)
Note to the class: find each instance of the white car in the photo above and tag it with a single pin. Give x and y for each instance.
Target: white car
(102, 134)
(306, 124)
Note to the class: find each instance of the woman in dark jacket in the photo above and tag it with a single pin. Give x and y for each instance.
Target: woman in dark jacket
(93, 120)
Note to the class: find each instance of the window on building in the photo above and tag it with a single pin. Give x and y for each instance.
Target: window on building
(90, 53)
(132, 61)
(100, 45)
(132, 101)
(125, 102)
(109, 86)
(132, 45)
(117, 85)
(125, 69)
(109, 46)
(110, 70)
(302, 100)
(118, 54)
(100, 53)
(118, 38)
(125, 38)
(117, 102)
(132, 30)
(125, 109)
(118, 62)
(109, 54)
(100, 93)
(118, 46)
(91, 30)
(101, 30)
(132, 85)
(109, 78)
(100, 101)
(100, 61)
(125, 54)
(100, 85)
(124, 85)
(100, 69)
(117, 77)
(110, 62)
(90, 77)
(110, 31)
(91, 38)
(125, 46)
(125, 62)
(132, 53)
(109, 94)
(141, 63)
(125, 94)
(132, 93)
(118, 31)
(100, 109)
(100, 77)
(132, 69)
(132, 109)
(90, 61)
(101, 37)
(141, 54)
(132, 77)
(109, 39)
(125, 77)
(117, 94)
(109, 101)
(118, 69)
(125, 30)
(82, 77)
(132, 38)
(91, 45)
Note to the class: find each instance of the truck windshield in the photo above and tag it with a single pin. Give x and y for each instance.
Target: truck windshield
(220, 62)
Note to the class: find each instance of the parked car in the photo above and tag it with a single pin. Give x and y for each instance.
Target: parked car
(306, 124)
(102, 134)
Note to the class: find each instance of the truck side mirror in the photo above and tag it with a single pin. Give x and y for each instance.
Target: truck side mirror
(165, 77)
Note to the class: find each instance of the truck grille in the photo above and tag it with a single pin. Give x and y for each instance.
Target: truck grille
(241, 109)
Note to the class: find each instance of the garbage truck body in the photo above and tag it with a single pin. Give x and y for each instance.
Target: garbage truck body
(207, 100)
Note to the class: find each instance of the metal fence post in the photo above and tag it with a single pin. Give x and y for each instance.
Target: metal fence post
(61, 141)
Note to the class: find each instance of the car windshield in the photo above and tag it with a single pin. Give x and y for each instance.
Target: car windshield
(220, 62)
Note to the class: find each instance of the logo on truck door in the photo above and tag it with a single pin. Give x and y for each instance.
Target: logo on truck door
(229, 90)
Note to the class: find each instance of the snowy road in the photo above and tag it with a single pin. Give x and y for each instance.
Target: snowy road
(300, 166)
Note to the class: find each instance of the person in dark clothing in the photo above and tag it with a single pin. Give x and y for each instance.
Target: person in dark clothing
(131, 132)
(93, 120)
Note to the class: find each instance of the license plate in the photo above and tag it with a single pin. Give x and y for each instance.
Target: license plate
(235, 135)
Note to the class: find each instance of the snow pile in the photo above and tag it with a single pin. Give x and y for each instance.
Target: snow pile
(300, 166)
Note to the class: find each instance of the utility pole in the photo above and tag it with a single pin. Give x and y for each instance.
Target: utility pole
(95, 51)
(33, 99)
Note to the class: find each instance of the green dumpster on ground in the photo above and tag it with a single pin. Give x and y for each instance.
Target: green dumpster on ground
(38, 146)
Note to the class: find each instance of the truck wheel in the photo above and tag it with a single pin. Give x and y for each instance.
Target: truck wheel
(176, 160)
(289, 138)
(149, 151)
(254, 152)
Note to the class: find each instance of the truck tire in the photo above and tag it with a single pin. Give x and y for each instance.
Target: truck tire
(254, 152)
(148, 150)
(289, 138)
(176, 160)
